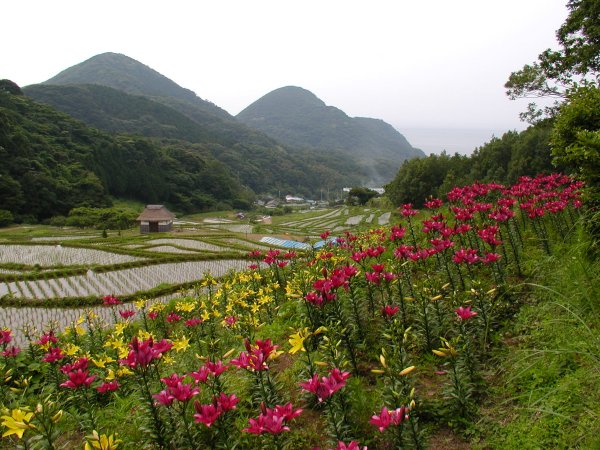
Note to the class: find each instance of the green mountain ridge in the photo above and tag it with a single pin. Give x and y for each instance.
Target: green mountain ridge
(357, 153)
(111, 110)
(262, 168)
(259, 161)
(297, 117)
(128, 75)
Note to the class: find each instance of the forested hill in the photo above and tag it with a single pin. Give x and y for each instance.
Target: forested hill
(132, 77)
(162, 109)
(117, 112)
(267, 167)
(297, 117)
(52, 163)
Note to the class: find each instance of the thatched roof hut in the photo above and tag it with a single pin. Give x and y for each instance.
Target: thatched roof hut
(155, 219)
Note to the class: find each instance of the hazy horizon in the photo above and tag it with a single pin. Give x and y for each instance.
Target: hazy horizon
(452, 140)
(431, 64)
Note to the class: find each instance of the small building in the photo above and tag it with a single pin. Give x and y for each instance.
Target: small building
(155, 219)
(293, 199)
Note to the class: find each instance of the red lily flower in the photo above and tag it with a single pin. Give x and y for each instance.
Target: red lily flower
(206, 414)
(226, 402)
(387, 417)
(465, 313)
(110, 386)
(5, 336)
(389, 311)
(127, 313)
(78, 378)
(54, 354)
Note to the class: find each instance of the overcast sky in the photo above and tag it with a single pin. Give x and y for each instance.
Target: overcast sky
(414, 64)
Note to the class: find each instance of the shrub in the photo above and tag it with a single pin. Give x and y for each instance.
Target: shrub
(6, 218)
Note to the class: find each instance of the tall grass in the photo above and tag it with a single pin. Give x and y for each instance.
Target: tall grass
(547, 391)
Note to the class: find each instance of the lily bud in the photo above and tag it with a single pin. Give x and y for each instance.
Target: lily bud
(382, 359)
(407, 370)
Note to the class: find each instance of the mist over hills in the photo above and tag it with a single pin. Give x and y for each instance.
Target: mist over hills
(295, 116)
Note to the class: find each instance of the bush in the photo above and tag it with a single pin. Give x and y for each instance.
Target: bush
(57, 221)
(108, 218)
(6, 218)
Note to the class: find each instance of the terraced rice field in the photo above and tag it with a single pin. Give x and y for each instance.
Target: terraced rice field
(126, 281)
(353, 220)
(57, 255)
(60, 318)
(169, 249)
(119, 282)
(189, 244)
(384, 219)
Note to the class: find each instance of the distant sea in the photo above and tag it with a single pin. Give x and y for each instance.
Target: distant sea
(453, 140)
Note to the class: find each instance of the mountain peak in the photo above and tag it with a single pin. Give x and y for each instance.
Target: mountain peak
(124, 73)
(287, 100)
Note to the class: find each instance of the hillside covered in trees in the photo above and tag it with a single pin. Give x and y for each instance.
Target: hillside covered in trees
(52, 163)
(122, 96)
(503, 159)
(257, 161)
(299, 118)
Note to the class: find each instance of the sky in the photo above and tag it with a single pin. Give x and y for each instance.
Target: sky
(422, 66)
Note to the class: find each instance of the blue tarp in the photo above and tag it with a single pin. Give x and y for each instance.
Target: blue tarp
(288, 243)
(285, 243)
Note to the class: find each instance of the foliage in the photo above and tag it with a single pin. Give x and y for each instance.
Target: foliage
(256, 160)
(6, 218)
(360, 195)
(557, 72)
(547, 388)
(576, 135)
(502, 159)
(101, 219)
(576, 144)
(57, 163)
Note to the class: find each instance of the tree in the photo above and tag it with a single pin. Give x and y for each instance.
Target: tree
(361, 195)
(6, 218)
(557, 72)
(576, 138)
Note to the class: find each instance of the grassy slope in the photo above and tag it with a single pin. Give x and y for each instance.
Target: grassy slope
(546, 392)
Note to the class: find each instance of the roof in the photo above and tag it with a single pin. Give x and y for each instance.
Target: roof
(156, 212)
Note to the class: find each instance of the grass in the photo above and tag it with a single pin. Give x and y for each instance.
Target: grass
(546, 391)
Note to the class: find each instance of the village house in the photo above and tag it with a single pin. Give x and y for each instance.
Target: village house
(155, 219)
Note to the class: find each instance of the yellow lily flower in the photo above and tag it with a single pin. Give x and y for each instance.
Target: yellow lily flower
(140, 304)
(181, 344)
(119, 327)
(17, 423)
(71, 349)
(144, 335)
(124, 371)
(101, 442)
(297, 341)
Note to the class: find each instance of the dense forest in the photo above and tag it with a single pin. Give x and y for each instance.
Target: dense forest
(53, 163)
(502, 160)
(258, 162)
